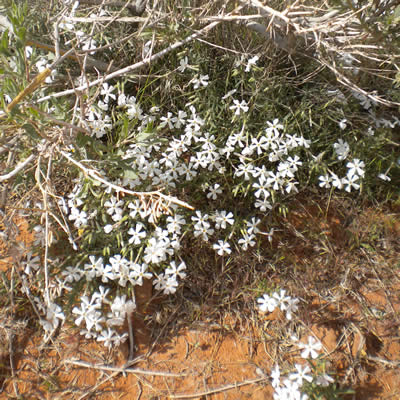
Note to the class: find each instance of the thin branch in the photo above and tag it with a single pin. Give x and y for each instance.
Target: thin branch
(232, 17)
(137, 371)
(57, 121)
(217, 390)
(18, 168)
(95, 175)
(44, 193)
(105, 19)
(74, 55)
(138, 65)
(7, 146)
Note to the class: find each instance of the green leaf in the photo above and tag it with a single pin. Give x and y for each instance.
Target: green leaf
(82, 139)
(130, 174)
(145, 136)
(4, 43)
(30, 130)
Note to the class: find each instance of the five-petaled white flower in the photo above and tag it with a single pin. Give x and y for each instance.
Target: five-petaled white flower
(222, 247)
(239, 107)
(310, 349)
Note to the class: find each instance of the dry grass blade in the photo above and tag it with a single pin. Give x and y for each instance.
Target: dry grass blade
(137, 371)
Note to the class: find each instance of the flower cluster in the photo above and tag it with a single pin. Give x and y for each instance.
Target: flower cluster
(263, 165)
(286, 303)
(290, 387)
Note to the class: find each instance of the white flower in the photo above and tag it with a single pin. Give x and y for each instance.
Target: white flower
(122, 99)
(246, 170)
(108, 228)
(267, 303)
(203, 230)
(276, 376)
(175, 223)
(180, 120)
(110, 337)
(230, 93)
(31, 263)
(214, 191)
(156, 251)
(106, 91)
(202, 80)
(176, 271)
(350, 181)
(80, 217)
(291, 307)
(355, 168)
(261, 188)
(301, 374)
(222, 218)
(336, 181)
(282, 299)
(54, 315)
(239, 106)
(137, 234)
(252, 61)
(324, 380)
(343, 124)
(114, 206)
(252, 225)
(184, 63)
(94, 268)
(325, 181)
(87, 307)
(247, 240)
(167, 120)
(222, 247)
(201, 219)
(263, 205)
(274, 126)
(139, 271)
(72, 274)
(311, 348)
(384, 177)
(342, 149)
(167, 284)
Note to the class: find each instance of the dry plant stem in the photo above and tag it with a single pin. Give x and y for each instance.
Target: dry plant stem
(27, 290)
(44, 194)
(106, 19)
(11, 334)
(95, 175)
(8, 146)
(111, 376)
(137, 371)
(18, 168)
(217, 390)
(140, 64)
(232, 17)
(57, 121)
(131, 337)
(351, 85)
(91, 62)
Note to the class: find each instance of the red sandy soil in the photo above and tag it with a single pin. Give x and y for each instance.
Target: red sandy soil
(211, 361)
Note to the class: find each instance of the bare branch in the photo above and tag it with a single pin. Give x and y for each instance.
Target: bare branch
(97, 177)
(140, 64)
(137, 371)
(18, 168)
